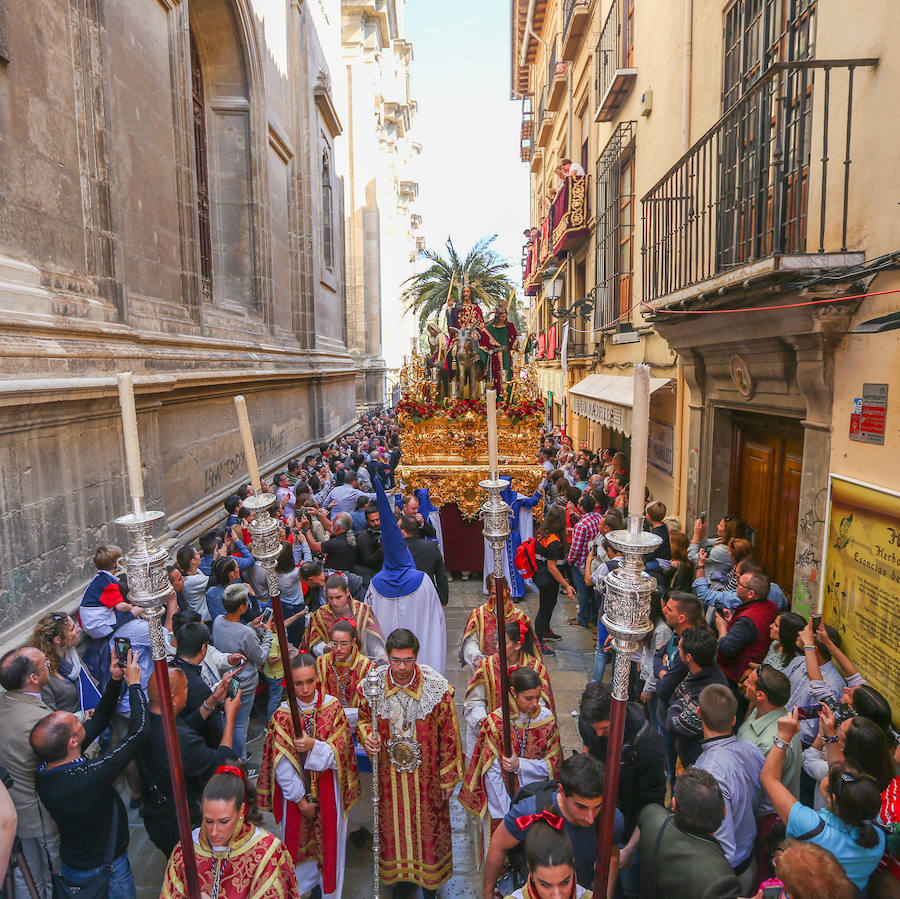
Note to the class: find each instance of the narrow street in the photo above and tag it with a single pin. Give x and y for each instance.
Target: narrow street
(569, 671)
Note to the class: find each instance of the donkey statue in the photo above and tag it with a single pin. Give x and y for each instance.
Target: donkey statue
(468, 362)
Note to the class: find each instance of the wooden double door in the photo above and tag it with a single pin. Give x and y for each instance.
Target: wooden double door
(764, 491)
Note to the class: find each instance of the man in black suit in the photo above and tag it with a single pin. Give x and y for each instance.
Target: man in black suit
(426, 556)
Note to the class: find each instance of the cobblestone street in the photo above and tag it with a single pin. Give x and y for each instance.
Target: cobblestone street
(569, 670)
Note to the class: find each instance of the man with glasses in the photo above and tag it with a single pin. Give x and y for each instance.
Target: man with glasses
(341, 670)
(744, 634)
(414, 739)
(23, 674)
(340, 604)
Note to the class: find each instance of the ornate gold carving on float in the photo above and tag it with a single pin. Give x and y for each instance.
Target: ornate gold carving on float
(448, 440)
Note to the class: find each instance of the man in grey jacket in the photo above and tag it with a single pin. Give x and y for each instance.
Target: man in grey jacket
(23, 674)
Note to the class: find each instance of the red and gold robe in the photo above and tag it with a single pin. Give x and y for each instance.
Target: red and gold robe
(340, 679)
(481, 629)
(318, 630)
(315, 839)
(255, 865)
(483, 692)
(414, 818)
(536, 739)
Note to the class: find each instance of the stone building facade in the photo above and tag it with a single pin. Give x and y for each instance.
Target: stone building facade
(743, 220)
(381, 189)
(170, 204)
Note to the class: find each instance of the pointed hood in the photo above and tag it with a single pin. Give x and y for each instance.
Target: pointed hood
(507, 493)
(399, 576)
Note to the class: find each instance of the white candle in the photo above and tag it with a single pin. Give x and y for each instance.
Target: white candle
(640, 436)
(492, 433)
(132, 447)
(247, 439)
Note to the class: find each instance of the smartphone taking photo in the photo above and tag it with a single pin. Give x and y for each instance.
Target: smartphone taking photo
(123, 645)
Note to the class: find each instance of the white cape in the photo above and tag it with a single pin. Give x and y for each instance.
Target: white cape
(420, 612)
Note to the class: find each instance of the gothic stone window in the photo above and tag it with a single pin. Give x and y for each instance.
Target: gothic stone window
(327, 212)
(202, 172)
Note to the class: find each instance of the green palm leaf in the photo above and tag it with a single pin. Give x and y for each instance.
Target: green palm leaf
(425, 293)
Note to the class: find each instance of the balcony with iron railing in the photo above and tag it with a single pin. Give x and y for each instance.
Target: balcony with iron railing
(544, 120)
(557, 77)
(576, 16)
(614, 75)
(758, 197)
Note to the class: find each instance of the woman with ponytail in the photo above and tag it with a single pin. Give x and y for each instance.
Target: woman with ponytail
(483, 692)
(236, 858)
(535, 755)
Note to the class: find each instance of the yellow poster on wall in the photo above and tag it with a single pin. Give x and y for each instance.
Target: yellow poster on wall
(861, 586)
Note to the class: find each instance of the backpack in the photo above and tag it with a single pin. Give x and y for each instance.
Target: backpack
(525, 559)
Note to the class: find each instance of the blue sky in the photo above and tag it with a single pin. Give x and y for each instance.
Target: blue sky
(471, 182)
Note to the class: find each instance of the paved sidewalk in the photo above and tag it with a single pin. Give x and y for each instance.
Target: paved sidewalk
(569, 671)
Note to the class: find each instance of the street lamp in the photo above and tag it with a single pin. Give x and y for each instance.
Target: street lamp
(553, 285)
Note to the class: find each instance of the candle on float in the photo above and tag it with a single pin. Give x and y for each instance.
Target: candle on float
(640, 436)
(132, 447)
(247, 440)
(492, 434)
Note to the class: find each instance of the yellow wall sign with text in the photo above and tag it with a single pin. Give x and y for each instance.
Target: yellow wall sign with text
(861, 584)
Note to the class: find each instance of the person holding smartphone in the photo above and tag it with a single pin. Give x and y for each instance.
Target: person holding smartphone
(230, 634)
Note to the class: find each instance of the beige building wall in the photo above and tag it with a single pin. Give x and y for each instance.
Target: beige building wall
(380, 191)
(176, 213)
(771, 388)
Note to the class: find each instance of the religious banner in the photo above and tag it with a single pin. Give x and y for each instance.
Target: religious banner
(861, 586)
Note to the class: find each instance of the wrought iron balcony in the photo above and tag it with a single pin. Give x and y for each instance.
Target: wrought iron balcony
(557, 71)
(544, 120)
(614, 73)
(575, 26)
(755, 195)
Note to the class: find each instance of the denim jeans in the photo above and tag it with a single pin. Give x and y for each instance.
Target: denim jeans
(601, 658)
(585, 597)
(242, 721)
(121, 883)
(275, 690)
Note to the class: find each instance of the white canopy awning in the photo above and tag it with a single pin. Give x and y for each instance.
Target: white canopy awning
(607, 399)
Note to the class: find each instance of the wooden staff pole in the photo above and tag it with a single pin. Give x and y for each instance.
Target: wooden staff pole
(176, 773)
(500, 614)
(284, 651)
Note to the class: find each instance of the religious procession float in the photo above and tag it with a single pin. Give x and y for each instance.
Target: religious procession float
(444, 433)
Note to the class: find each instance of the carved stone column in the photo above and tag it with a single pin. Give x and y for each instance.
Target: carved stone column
(814, 356)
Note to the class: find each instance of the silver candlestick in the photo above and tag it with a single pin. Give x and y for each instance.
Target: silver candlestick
(626, 605)
(495, 514)
(265, 536)
(373, 690)
(145, 569)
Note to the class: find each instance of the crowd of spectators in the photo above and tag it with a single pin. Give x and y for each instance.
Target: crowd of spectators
(757, 761)
(780, 761)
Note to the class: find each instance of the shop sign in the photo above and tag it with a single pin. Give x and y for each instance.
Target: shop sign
(662, 446)
(869, 416)
(861, 583)
(603, 413)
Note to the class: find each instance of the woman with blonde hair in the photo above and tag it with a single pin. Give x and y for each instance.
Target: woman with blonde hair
(56, 636)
